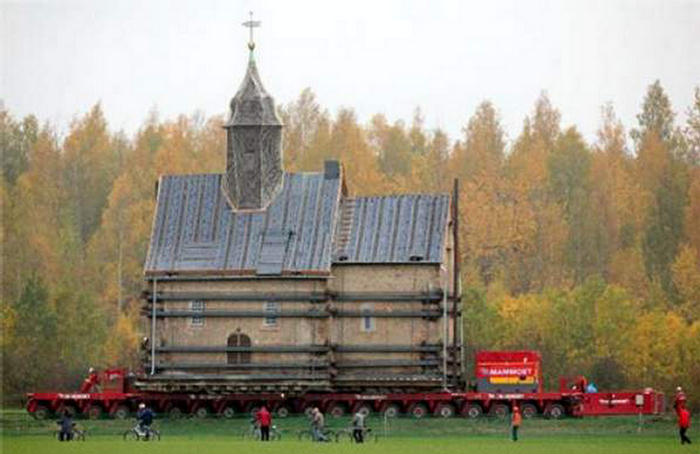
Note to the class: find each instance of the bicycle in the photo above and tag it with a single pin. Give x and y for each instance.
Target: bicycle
(77, 434)
(253, 433)
(308, 435)
(367, 434)
(136, 433)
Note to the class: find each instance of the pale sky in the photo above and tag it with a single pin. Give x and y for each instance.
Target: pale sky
(58, 58)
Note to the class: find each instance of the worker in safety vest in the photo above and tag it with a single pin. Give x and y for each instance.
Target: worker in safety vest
(515, 421)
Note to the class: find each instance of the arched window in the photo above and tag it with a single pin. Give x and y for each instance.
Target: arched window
(238, 339)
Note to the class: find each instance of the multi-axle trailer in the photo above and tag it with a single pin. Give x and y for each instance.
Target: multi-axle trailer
(503, 379)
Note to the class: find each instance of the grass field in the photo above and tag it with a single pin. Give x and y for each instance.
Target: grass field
(23, 435)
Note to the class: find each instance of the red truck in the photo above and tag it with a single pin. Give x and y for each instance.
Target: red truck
(502, 378)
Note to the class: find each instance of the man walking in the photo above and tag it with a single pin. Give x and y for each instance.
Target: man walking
(317, 423)
(684, 424)
(358, 427)
(516, 419)
(264, 420)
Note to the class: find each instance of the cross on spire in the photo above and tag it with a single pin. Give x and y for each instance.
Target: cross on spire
(251, 24)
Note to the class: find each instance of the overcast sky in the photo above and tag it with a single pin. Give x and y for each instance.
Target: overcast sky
(60, 57)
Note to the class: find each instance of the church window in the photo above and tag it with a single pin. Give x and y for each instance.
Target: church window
(197, 320)
(271, 311)
(367, 319)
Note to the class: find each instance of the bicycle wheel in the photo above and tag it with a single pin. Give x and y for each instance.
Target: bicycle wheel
(79, 435)
(329, 435)
(154, 435)
(305, 435)
(131, 435)
(276, 435)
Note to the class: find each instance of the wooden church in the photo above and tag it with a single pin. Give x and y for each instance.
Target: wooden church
(261, 279)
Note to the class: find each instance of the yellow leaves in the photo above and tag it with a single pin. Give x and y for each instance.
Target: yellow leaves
(655, 350)
(121, 349)
(692, 210)
(686, 278)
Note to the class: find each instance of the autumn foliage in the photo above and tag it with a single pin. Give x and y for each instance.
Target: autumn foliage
(588, 252)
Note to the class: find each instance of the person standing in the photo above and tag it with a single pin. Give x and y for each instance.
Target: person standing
(679, 400)
(264, 421)
(515, 421)
(683, 425)
(66, 423)
(358, 427)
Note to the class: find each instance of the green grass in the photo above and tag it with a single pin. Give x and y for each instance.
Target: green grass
(23, 435)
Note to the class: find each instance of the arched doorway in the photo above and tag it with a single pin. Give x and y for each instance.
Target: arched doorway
(238, 339)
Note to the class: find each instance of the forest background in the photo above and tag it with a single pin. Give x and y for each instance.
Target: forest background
(587, 252)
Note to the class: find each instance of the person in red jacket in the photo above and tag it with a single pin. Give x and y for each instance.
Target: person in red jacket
(264, 421)
(684, 424)
(679, 400)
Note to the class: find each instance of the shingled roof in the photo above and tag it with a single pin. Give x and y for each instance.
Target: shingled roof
(308, 226)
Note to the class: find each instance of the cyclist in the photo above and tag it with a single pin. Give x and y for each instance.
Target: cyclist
(145, 417)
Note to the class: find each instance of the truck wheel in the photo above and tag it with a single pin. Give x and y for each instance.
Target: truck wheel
(94, 412)
(122, 412)
(555, 411)
(364, 410)
(336, 410)
(474, 411)
(41, 412)
(175, 413)
(445, 410)
(391, 411)
(201, 412)
(528, 411)
(418, 410)
(228, 412)
(499, 411)
(282, 412)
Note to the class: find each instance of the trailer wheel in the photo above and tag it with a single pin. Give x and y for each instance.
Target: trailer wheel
(41, 412)
(94, 412)
(418, 410)
(70, 409)
(282, 412)
(201, 412)
(228, 412)
(175, 413)
(122, 412)
(499, 411)
(336, 410)
(392, 411)
(555, 411)
(445, 410)
(474, 411)
(528, 411)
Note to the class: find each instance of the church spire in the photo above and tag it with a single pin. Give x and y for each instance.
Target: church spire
(254, 141)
